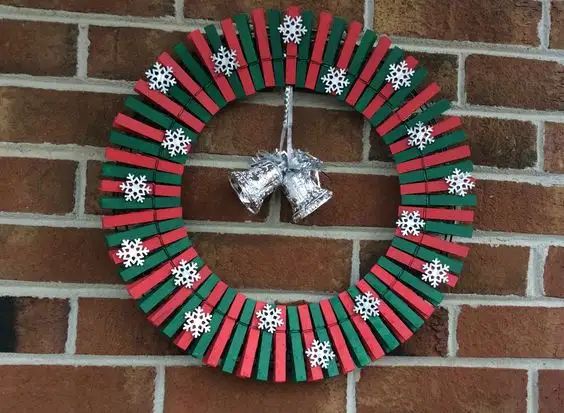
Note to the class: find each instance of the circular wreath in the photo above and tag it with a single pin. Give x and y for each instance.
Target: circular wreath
(181, 296)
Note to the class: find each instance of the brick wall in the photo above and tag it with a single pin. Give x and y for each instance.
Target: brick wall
(68, 332)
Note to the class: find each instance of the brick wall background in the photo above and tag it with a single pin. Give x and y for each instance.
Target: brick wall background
(72, 341)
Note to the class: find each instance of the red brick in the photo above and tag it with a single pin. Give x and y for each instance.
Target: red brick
(55, 254)
(502, 21)
(69, 389)
(554, 147)
(435, 389)
(41, 115)
(557, 25)
(189, 388)
(534, 208)
(370, 251)
(511, 332)
(92, 196)
(443, 69)
(38, 48)
(553, 270)
(429, 340)
(117, 327)
(37, 185)
(272, 262)
(33, 325)
(551, 390)
(492, 80)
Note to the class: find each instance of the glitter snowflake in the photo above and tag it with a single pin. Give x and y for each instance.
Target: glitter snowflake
(269, 318)
(400, 75)
(197, 322)
(435, 273)
(135, 188)
(366, 305)
(459, 183)
(410, 223)
(420, 135)
(225, 61)
(176, 142)
(320, 353)
(186, 273)
(132, 252)
(292, 29)
(335, 81)
(160, 77)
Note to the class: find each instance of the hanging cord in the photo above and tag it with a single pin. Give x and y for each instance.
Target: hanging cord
(286, 135)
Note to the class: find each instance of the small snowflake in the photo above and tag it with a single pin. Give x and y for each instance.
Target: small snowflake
(320, 353)
(176, 142)
(225, 61)
(132, 252)
(269, 318)
(459, 183)
(435, 272)
(335, 81)
(186, 273)
(160, 77)
(420, 135)
(366, 305)
(410, 223)
(197, 322)
(400, 75)
(135, 188)
(292, 29)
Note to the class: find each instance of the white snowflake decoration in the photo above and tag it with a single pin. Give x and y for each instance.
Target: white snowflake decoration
(197, 322)
(132, 252)
(176, 142)
(410, 223)
(459, 183)
(225, 61)
(335, 81)
(320, 353)
(269, 318)
(135, 188)
(435, 272)
(366, 305)
(186, 273)
(420, 135)
(160, 78)
(292, 29)
(400, 75)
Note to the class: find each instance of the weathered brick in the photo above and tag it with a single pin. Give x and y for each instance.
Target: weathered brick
(553, 270)
(38, 48)
(370, 251)
(554, 147)
(60, 117)
(117, 327)
(33, 325)
(557, 25)
(510, 332)
(456, 390)
(37, 185)
(92, 196)
(283, 263)
(551, 389)
(492, 80)
(70, 389)
(443, 69)
(189, 386)
(429, 340)
(55, 254)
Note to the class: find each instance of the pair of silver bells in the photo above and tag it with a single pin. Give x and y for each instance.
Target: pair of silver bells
(297, 174)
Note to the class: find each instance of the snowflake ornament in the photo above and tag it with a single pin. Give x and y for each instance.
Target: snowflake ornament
(420, 135)
(186, 273)
(225, 61)
(335, 81)
(435, 273)
(292, 29)
(197, 322)
(366, 305)
(135, 188)
(132, 252)
(176, 142)
(410, 223)
(160, 78)
(320, 353)
(269, 318)
(400, 75)
(459, 183)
